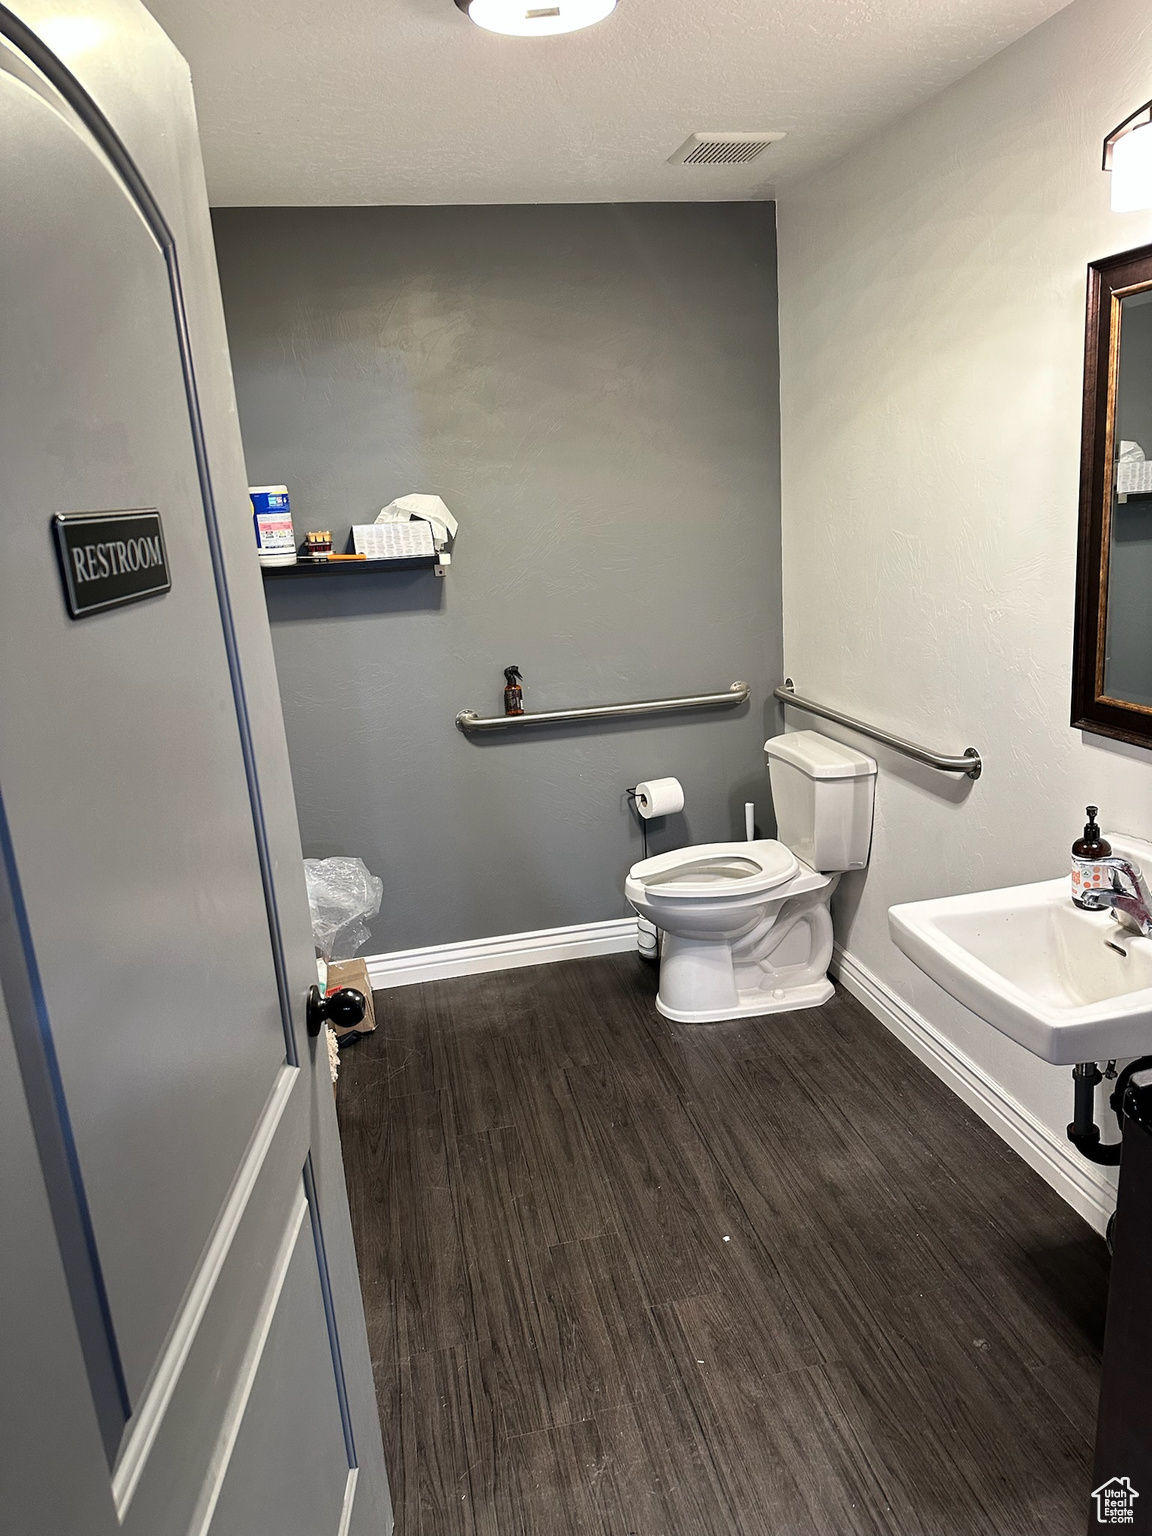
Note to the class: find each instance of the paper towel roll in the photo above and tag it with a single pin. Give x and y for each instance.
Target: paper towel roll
(659, 797)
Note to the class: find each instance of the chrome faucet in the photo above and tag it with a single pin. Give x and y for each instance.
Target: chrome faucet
(1127, 895)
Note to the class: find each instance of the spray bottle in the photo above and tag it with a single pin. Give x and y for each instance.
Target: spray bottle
(513, 692)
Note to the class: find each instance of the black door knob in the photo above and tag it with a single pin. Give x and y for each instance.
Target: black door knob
(344, 1008)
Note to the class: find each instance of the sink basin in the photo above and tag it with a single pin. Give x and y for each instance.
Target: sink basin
(1068, 985)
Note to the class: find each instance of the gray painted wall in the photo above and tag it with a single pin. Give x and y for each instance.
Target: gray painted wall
(594, 392)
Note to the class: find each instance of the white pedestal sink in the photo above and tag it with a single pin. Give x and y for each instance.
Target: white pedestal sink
(1068, 985)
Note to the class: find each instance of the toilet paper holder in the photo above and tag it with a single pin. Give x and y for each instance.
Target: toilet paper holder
(658, 797)
(468, 720)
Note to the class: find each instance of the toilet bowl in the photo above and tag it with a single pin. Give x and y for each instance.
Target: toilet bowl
(746, 927)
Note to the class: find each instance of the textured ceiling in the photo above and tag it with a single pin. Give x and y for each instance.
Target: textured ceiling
(406, 101)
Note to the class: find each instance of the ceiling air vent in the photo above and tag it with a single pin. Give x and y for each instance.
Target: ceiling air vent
(722, 148)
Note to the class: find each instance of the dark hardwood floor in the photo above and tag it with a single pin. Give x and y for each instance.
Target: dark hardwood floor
(630, 1278)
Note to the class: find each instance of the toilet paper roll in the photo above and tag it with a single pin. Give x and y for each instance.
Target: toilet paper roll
(659, 797)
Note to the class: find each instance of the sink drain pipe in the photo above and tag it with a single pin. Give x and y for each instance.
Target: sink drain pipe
(1084, 1133)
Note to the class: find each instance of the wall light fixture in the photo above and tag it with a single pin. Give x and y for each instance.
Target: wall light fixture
(1128, 155)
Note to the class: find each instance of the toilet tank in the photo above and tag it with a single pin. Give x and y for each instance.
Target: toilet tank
(822, 792)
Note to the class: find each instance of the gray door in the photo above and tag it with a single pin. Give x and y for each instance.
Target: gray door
(160, 1078)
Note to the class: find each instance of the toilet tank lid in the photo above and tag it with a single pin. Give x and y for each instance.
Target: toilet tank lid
(819, 756)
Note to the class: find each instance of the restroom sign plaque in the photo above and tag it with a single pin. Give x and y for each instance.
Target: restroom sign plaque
(108, 559)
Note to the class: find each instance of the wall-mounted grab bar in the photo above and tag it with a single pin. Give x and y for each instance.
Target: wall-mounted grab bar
(469, 720)
(969, 762)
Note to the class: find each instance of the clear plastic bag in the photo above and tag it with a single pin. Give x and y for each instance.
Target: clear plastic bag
(342, 895)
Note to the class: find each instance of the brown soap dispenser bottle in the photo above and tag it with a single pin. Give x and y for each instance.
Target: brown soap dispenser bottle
(1087, 851)
(513, 692)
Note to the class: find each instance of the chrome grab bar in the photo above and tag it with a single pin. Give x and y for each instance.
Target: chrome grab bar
(469, 720)
(969, 762)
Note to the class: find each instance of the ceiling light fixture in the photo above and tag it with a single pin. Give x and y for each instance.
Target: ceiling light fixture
(536, 18)
(1128, 155)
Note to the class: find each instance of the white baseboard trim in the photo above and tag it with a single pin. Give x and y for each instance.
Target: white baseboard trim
(504, 952)
(1085, 1189)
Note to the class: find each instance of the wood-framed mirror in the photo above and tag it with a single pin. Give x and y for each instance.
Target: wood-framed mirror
(1112, 659)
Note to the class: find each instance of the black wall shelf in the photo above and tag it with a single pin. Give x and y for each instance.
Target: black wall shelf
(347, 567)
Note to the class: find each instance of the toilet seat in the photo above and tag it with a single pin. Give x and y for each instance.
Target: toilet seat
(717, 870)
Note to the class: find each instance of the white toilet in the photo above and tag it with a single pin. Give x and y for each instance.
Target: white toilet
(746, 926)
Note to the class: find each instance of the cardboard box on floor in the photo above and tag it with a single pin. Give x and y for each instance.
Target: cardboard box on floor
(353, 973)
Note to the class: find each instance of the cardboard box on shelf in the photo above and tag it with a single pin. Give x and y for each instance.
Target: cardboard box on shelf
(352, 973)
